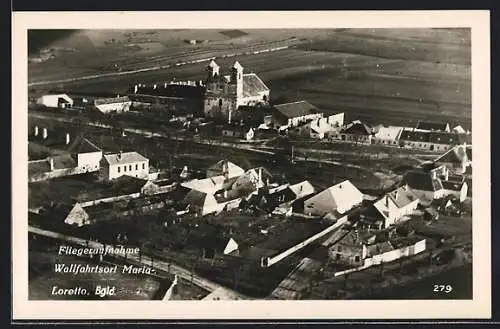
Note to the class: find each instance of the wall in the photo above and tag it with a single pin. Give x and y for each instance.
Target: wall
(270, 261)
(392, 255)
(140, 173)
(111, 199)
(356, 138)
(89, 160)
(58, 173)
(212, 109)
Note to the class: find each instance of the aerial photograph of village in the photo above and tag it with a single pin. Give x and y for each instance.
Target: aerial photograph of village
(250, 164)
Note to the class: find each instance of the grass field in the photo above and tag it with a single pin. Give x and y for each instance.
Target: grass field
(393, 76)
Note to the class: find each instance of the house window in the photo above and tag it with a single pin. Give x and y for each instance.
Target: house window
(136, 167)
(220, 102)
(119, 169)
(143, 166)
(130, 167)
(356, 258)
(125, 168)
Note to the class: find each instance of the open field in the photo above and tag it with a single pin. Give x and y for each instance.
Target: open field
(384, 75)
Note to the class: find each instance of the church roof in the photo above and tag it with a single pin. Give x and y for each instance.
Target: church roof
(253, 85)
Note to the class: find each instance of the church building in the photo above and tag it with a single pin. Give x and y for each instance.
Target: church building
(226, 93)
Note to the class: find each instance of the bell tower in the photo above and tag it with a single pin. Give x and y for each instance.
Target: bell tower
(213, 69)
(237, 79)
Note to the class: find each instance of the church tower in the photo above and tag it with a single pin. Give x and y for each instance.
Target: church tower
(213, 69)
(237, 79)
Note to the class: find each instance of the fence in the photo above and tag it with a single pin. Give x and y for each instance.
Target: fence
(387, 257)
(110, 199)
(59, 173)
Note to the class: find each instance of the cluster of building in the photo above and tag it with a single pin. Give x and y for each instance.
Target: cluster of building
(237, 105)
(81, 156)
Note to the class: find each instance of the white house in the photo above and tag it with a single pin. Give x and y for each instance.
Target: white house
(391, 208)
(295, 113)
(387, 135)
(339, 198)
(223, 167)
(115, 104)
(57, 101)
(124, 163)
(88, 156)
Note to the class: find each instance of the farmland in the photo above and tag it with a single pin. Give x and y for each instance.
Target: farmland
(383, 75)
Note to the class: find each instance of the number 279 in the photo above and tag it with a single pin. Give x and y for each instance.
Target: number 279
(446, 288)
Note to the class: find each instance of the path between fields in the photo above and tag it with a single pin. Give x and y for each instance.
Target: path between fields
(145, 260)
(154, 68)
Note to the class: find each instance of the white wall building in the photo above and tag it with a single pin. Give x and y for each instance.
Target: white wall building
(124, 163)
(55, 101)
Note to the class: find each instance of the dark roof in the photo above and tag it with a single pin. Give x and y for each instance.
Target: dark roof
(253, 85)
(422, 181)
(456, 154)
(171, 90)
(436, 126)
(237, 128)
(414, 136)
(296, 109)
(83, 145)
(432, 137)
(446, 138)
(357, 128)
(452, 185)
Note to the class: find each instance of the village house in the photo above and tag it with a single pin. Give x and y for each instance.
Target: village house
(430, 140)
(433, 126)
(355, 132)
(240, 132)
(318, 128)
(293, 114)
(87, 155)
(124, 163)
(390, 209)
(225, 94)
(427, 186)
(364, 249)
(456, 159)
(62, 101)
(337, 199)
(113, 105)
(387, 135)
(285, 195)
(225, 168)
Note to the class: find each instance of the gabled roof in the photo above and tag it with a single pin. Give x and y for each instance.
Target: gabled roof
(414, 136)
(208, 185)
(379, 248)
(302, 189)
(344, 195)
(83, 145)
(124, 158)
(456, 154)
(221, 166)
(357, 128)
(296, 109)
(422, 181)
(253, 85)
(391, 133)
(435, 126)
(446, 138)
(399, 198)
(459, 129)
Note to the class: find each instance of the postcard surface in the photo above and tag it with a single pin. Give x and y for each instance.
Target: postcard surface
(251, 165)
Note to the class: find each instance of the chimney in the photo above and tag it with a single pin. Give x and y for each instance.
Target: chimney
(51, 162)
(36, 130)
(135, 89)
(44, 133)
(67, 138)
